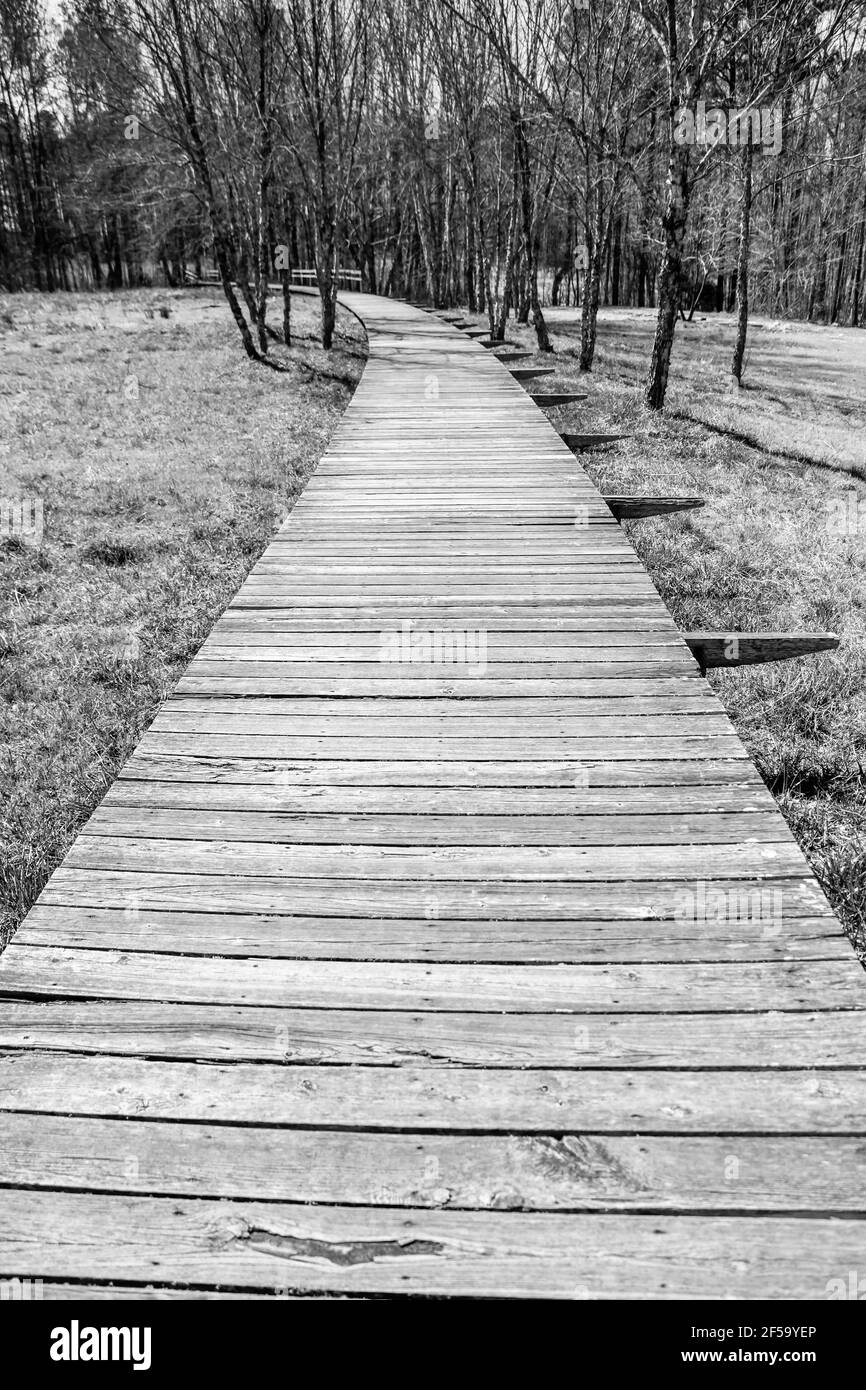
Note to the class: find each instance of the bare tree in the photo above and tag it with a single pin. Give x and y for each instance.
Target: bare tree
(327, 54)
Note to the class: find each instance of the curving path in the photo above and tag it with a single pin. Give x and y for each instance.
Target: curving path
(439, 936)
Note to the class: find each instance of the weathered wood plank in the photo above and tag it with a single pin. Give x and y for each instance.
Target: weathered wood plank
(685, 864)
(371, 829)
(754, 934)
(832, 1038)
(273, 1247)
(572, 1172)
(201, 679)
(417, 723)
(682, 747)
(751, 648)
(324, 798)
(410, 985)
(590, 441)
(456, 1099)
(740, 899)
(575, 773)
(557, 397)
(627, 507)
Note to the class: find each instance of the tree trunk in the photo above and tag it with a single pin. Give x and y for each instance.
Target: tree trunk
(264, 217)
(840, 275)
(616, 263)
(222, 258)
(500, 311)
(469, 261)
(428, 253)
(530, 293)
(592, 281)
(743, 249)
(674, 221)
(858, 270)
(522, 315)
(326, 275)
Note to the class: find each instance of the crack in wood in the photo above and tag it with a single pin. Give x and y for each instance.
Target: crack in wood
(342, 1253)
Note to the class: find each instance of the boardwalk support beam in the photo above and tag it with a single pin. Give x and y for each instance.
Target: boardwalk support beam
(628, 508)
(754, 648)
(549, 398)
(529, 373)
(590, 441)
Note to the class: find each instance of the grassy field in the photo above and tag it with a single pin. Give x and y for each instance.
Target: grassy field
(781, 544)
(162, 462)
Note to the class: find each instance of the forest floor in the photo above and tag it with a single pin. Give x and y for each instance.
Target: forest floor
(163, 461)
(780, 546)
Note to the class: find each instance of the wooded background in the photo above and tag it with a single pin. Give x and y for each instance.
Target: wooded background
(505, 155)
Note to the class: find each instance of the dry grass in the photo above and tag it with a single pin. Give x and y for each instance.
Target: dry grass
(781, 545)
(164, 462)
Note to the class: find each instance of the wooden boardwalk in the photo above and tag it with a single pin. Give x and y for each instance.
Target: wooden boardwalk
(439, 937)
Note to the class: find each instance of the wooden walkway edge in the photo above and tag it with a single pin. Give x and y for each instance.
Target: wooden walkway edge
(439, 937)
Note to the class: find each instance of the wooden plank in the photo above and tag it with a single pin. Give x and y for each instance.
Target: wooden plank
(410, 985)
(572, 1172)
(451, 1099)
(685, 864)
(174, 718)
(688, 698)
(273, 1247)
(626, 508)
(745, 900)
(237, 681)
(784, 1042)
(137, 926)
(574, 774)
(434, 647)
(449, 748)
(323, 799)
(751, 648)
(250, 664)
(549, 398)
(590, 441)
(428, 829)
(625, 628)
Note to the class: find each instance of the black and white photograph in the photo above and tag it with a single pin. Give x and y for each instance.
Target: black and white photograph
(433, 670)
